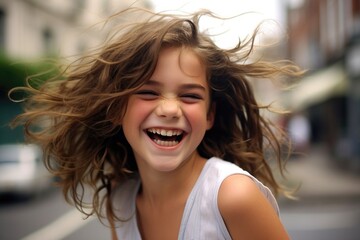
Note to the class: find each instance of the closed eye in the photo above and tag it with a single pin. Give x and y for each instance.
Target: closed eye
(191, 98)
(147, 94)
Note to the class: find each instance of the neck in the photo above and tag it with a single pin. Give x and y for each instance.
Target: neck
(161, 188)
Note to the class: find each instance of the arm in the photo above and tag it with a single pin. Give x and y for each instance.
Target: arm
(246, 212)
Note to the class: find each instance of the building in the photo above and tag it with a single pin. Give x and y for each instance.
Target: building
(34, 28)
(324, 38)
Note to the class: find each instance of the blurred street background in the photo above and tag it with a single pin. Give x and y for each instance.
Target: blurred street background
(321, 36)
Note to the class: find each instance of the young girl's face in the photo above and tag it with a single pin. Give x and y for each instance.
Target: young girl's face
(166, 119)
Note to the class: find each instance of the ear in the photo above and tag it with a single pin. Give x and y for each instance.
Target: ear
(211, 116)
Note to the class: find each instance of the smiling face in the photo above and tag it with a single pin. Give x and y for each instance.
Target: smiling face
(166, 119)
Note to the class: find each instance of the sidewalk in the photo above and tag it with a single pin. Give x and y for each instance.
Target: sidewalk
(321, 180)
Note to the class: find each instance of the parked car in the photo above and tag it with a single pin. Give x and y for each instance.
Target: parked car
(22, 171)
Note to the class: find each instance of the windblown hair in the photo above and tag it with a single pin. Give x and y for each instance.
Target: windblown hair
(76, 117)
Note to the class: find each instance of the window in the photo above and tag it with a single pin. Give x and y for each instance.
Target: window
(48, 41)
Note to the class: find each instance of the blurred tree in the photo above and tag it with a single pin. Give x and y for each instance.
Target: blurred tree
(14, 74)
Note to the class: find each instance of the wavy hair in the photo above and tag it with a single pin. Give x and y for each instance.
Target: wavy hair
(75, 118)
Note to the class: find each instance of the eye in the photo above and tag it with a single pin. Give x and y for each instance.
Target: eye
(147, 94)
(191, 97)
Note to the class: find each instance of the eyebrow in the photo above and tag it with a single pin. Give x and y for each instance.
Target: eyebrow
(185, 86)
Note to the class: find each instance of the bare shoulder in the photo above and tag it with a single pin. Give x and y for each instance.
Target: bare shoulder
(240, 192)
(246, 211)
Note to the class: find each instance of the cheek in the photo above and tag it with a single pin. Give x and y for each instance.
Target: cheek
(136, 110)
(197, 116)
(135, 114)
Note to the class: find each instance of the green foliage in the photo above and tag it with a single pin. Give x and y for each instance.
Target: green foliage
(14, 73)
(8, 112)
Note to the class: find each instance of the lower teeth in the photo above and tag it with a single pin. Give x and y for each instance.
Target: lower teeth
(165, 143)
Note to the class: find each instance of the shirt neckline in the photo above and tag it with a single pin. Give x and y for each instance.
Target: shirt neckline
(189, 201)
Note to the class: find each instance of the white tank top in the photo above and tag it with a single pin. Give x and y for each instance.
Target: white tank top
(201, 218)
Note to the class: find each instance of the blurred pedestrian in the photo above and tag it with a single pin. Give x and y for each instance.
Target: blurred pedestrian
(164, 126)
(299, 132)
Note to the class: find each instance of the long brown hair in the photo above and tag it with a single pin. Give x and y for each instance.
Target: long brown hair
(76, 118)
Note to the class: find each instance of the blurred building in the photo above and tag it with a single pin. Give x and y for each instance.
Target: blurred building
(324, 38)
(34, 28)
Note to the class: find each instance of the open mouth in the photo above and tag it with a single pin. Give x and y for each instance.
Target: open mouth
(165, 137)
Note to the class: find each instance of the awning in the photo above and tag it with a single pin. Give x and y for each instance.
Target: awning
(318, 87)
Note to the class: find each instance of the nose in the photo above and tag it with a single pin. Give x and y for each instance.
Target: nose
(168, 108)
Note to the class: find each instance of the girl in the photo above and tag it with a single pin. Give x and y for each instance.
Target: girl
(162, 124)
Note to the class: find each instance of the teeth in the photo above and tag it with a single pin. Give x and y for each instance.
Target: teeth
(166, 143)
(164, 132)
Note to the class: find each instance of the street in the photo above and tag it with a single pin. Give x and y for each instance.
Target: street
(47, 217)
(328, 208)
(304, 221)
(322, 220)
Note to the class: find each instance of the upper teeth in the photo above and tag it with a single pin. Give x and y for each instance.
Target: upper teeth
(164, 132)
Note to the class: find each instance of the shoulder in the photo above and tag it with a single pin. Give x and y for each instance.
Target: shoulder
(246, 211)
(238, 192)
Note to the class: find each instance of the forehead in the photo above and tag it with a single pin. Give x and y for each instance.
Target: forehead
(179, 68)
(184, 58)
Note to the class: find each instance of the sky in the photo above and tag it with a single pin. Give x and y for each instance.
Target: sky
(231, 30)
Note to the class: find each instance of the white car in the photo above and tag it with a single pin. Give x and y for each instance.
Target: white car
(22, 171)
